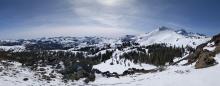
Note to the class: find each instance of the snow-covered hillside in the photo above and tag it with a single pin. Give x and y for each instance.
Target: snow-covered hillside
(115, 64)
(174, 76)
(171, 37)
(161, 35)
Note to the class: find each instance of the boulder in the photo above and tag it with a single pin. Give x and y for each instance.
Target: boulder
(216, 39)
(217, 49)
(25, 79)
(206, 59)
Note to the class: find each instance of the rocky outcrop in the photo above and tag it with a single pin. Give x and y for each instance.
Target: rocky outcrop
(216, 40)
(194, 55)
(205, 59)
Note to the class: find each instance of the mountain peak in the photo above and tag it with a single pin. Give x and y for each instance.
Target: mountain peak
(163, 28)
(185, 33)
(182, 31)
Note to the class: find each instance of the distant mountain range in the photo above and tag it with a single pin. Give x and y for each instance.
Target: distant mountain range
(160, 35)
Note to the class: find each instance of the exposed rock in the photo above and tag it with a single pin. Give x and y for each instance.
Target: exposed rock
(217, 49)
(206, 59)
(42, 69)
(46, 77)
(91, 77)
(25, 79)
(96, 71)
(81, 73)
(73, 77)
(1, 69)
(52, 75)
(216, 39)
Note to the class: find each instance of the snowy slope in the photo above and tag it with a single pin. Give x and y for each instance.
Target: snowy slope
(16, 48)
(15, 74)
(173, 76)
(171, 37)
(120, 65)
(210, 47)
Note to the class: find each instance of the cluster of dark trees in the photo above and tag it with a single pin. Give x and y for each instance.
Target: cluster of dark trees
(45, 46)
(48, 45)
(158, 54)
(77, 65)
(91, 49)
(127, 44)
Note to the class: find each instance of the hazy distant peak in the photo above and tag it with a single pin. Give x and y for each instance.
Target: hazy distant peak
(164, 28)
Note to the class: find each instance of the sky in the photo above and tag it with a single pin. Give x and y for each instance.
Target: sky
(110, 18)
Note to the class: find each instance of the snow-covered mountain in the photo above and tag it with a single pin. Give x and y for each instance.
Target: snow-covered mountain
(171, 37)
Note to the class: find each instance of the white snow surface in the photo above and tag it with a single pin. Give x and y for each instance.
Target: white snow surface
(120, 65)
(170, 37)
(174, 76)
(210, 46)
(13, 76)
(16, 48)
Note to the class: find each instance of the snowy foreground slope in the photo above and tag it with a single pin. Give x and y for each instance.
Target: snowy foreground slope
(173, 76)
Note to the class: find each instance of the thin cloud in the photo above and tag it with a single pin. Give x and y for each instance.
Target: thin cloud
(104, 12)
(50, 31)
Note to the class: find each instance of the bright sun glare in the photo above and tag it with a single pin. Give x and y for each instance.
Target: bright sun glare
(109, 2)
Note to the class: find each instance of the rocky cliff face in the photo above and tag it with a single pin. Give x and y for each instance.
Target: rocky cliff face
(205, 59)
(216, 40)
(205, 53)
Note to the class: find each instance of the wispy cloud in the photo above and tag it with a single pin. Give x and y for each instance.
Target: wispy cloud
(88, 30)
(100, 17)
(104, 12)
